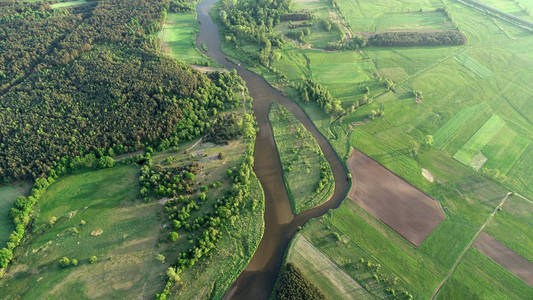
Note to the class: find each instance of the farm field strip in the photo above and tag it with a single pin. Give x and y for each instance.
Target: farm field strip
(407, 210)
(478, 141)
(469, 245)
(505, 257)
(323, 272)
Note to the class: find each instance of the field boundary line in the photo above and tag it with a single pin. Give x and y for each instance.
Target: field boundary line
(469, 245)
(524, 198)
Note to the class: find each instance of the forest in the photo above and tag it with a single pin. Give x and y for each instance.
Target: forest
(88, 80)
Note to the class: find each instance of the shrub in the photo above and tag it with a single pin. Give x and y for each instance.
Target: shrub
(64, 262)
(93, 259)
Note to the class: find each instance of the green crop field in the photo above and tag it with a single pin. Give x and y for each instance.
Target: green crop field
(370, 16)
(8, 195)
(478, 277)
(178, 38)
(481, 138)
(306, 172)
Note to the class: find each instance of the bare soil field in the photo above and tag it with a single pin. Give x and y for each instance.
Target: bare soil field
(505, 257)
(403, 207)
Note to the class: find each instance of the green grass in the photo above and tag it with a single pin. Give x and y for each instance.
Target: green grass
(301, 160)
(8, 195)
(479, 140)
(178, 38)
(68, 4)
(454, 133)
(370, 16)
(473, 65)
(432, 20)
(105, 200)
(478, 277)
(321, 271)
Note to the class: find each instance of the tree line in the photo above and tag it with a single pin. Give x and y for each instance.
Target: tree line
(411, 38)
(311, 90)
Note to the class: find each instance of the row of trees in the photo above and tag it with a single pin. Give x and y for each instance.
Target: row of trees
(411, 38)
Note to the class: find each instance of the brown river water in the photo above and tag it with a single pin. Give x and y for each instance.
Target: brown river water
(257, 280)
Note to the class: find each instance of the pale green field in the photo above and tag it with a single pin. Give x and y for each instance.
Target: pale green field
(383, 15)
(178, 38)
(68, 4)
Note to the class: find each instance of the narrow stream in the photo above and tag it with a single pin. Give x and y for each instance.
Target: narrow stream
(257, 280)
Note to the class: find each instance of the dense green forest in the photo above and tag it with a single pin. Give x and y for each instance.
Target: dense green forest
(92, 79)
(292, 284)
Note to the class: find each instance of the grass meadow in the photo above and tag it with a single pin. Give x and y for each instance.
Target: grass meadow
(86, 204)
(8, 195)
(301, 160)
(178, 38)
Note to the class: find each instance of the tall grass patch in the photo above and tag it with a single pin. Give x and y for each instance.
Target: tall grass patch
(306, 171)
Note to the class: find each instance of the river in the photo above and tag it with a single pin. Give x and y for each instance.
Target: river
(257, 280)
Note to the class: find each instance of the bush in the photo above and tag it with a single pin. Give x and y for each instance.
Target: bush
(93, 259)
(64, 262)
(105, 162)
(173, 236)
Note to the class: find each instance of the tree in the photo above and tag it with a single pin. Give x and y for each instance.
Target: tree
(74, 262)
(105, 162)
(64, 262)
(93, 259)
(173, 236)
(6, 255)
(429, 140)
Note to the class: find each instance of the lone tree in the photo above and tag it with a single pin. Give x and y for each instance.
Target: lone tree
(64, 262)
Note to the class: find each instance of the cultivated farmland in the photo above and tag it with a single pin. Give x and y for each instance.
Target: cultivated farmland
(407, 210)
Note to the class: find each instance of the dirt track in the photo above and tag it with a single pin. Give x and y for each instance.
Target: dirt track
(404, 208)
(505, 257)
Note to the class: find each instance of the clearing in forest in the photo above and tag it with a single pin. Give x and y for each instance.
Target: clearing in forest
(178, 38)
(404, 208)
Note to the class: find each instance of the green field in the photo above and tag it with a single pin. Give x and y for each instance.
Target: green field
(383, 15)
(126, 245)
(8, 195)
(478, 277)
(178, 38)
(324, 273)
(306, 172)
